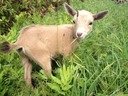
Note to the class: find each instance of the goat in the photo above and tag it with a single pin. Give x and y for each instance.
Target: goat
(41, 43)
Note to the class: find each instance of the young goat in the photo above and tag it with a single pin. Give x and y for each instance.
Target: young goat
(41, 43)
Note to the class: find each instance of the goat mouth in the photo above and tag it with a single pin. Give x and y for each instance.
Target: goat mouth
(79, 37)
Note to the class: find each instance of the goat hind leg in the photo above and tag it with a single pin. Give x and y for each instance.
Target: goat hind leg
(27, 70)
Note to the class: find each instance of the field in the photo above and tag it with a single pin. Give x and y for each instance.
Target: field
(99, 66)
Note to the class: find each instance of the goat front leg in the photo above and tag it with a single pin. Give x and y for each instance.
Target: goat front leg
(27, 70)
(45, 63)
(42, 58)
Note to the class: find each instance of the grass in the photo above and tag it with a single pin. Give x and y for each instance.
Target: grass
(99, 67)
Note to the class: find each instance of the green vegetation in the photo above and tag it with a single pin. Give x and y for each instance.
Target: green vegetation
(99, 67)
(10, 8)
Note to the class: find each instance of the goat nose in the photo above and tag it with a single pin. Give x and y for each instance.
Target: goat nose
(79, 34)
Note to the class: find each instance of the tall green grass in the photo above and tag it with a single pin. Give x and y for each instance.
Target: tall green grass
(99, 67)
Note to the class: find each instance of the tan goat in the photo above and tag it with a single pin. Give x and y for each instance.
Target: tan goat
(41, 43)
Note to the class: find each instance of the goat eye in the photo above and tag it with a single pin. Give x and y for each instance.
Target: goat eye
(73, 21)
(90, 23)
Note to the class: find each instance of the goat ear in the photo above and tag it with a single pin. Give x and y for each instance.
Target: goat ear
(100, 15)
(71, 11)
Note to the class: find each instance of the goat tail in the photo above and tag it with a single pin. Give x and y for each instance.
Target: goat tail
(6, 47)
